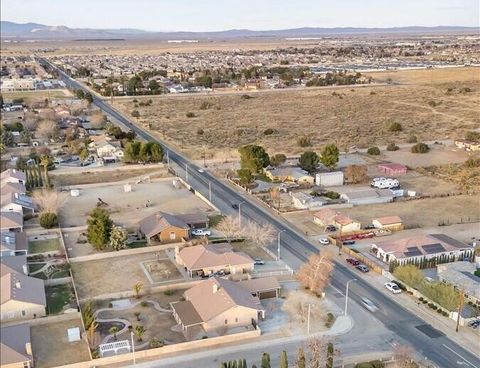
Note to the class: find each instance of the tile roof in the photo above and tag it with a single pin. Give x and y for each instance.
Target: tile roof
(13, 344)
(13, 173)
(389, 220)
(11, 220)
(10, 187)
(201, 256)
(19, 287)
(12, 264)
(160, 221)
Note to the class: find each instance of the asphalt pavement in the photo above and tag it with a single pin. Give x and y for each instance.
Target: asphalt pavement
(405, 326)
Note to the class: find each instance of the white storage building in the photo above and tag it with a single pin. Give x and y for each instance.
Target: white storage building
(329, 179)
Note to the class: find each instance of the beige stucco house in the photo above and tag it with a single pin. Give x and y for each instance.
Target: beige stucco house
(22, 297)
(343, 223)
(214, 305)
(393, 223)
(15, 347)
(211, 258)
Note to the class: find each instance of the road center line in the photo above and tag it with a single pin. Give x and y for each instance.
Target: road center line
(454, 352)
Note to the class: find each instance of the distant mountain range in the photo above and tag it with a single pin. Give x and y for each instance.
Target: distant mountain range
(42, 31)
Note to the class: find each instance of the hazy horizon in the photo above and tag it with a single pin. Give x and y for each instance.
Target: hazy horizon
(184, 15)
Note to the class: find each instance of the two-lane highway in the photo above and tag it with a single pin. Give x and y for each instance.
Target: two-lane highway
(409, 328)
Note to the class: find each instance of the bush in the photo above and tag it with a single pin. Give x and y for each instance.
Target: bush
(169, 292)
(371, 364)
(392, 147)
(412, 138)
(331, 195)
(395, 127)
(304, 141)
(48, 220)
(420, 148)
(200, 131)
(135, 114)
(246, 97)
(190, 115)
(144, 304)
(205, 105)
(330, 320)
(374, 151)
(477, 272)
(269, 131)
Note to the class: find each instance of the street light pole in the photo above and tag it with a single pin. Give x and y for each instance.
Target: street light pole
(308, 320)
(240, 214)
(186, 172)
(346, 296)
(133, 348)
(278, 244)
(168, 159)
(210, 191)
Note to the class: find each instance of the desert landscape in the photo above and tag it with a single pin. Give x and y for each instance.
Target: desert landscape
(430, 104)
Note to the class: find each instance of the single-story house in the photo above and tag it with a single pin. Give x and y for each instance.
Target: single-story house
(194, 220)
(289, 173)
(417, 248)
(304, 201)
(164, 228)
(460, 274)
(15, 202)
(22, 297)
(392, 169)
(9, 187)
(262, 287)
(13, 243)
(208, 259)
(216, 304)
(368, 196)
(329, 179)
(11, 221)
(393, 223)
(13, 264)
(13, 176)
(15, 347)
(327, 216)
(467, 145)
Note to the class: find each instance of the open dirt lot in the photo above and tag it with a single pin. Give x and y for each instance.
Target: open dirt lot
(129, 208)
(111, 275)
(51, 347)
(417, 213)
(358, 116)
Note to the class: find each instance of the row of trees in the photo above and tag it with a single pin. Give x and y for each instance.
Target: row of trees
(136, 151)
(329, 156)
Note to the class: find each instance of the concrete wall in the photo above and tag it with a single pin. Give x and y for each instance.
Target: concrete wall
(235, 317)
(12, 311)
(168, 349)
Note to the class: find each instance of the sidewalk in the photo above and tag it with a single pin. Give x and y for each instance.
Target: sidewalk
(465, 337)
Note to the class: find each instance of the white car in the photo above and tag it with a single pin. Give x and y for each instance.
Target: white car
(393, 287)
(324, 241)
(201, 232)
(367, 303)
(201, 170)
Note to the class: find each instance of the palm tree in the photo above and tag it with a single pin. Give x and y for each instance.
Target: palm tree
(137, 288)
(139, 331)
(113, 331)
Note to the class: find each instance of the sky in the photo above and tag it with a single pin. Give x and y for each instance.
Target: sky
(214, 15)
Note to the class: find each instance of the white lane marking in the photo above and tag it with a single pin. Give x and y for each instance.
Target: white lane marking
(337, 289)
(454, 352)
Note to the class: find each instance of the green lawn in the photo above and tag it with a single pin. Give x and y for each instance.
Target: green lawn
(35, 267)
(57, 297)
(137, 244)
(42, 246)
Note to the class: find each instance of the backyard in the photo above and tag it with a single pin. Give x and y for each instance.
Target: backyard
(59, 297)
(43, 244)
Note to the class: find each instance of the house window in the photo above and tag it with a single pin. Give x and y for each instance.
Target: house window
(172, 235)
(226, 321)
(26, 365)
(24, 313)
(236, 319)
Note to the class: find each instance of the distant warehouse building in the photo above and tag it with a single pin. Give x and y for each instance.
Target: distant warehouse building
(329, 179)
(368, 196)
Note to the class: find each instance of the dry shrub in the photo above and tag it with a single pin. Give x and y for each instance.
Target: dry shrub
(49, 200)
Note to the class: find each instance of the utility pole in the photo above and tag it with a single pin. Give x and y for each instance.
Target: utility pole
(133, 348)
(168, 159)
(210, 191)
(240, 213)
(346, 296)
(278, 244)
(186, 172)
(460, 307)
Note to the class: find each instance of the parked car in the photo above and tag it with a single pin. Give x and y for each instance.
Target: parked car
(353, 261)
(365, 236)
(393, 287)
(235, 206)
(474, 324)
(367, 303)
(201, 232)
(331, 228)
(259, 262)
(324, 241)
(348, 242)
(369, 227)
(362, 267)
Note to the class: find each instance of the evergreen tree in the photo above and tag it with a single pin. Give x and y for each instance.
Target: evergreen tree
(301, 361)
(99, 228)
(329, 155)
(283, 359)
(266, 360)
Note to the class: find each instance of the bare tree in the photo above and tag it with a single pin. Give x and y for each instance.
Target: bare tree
(47, 114)
(260, 235)
(404, 356)
(315, 274)
(49, 200)
(30, 121)
(315, 347)
(46, 129)
(230, 227)
(98, 120)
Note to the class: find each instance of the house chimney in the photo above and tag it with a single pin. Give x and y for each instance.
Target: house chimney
(215, 288)
(28, 348)
(25, 269)
(18, 285)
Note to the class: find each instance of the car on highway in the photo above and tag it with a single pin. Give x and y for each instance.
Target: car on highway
(324, 241)
(201, 232)
(331, 228)
(259, 262)
(362, 267)
(367, 303)
(393, 287)
(353, 261)
(201, 170)
(235, 206)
